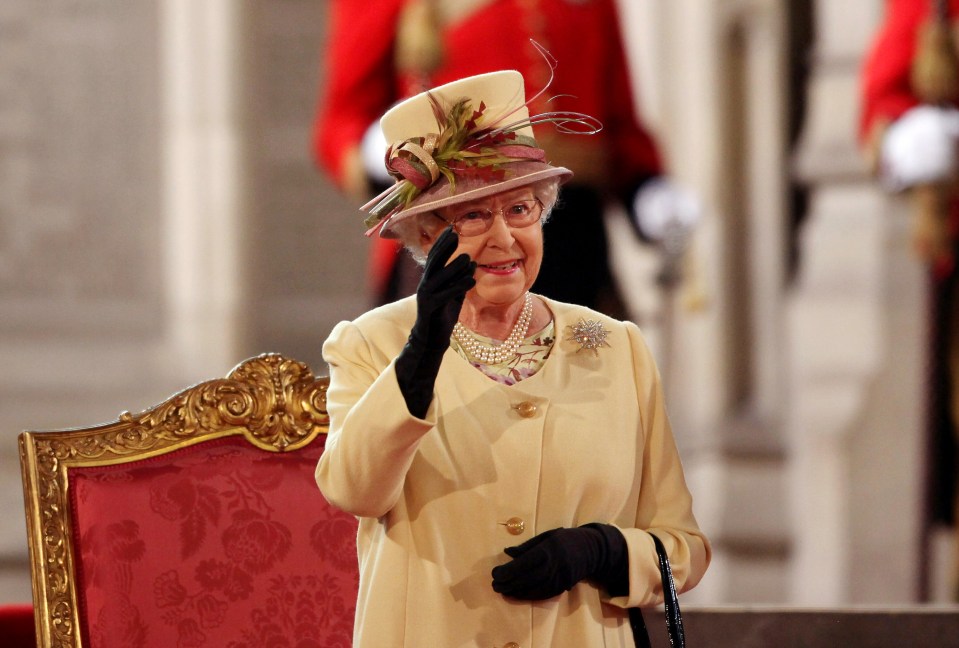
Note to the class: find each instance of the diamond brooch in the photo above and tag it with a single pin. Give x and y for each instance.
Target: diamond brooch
(589, 334)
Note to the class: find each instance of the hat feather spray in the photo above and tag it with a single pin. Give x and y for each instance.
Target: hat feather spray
(468, 142)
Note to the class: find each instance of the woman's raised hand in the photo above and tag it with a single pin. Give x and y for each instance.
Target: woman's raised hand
(441, 291)
(439, 298)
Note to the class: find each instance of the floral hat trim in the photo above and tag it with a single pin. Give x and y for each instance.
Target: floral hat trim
(466, 146)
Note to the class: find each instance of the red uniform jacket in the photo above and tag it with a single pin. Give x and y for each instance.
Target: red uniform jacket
(886, 86)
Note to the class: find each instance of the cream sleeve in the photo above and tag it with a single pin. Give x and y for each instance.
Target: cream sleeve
(373, 437)
(665, 503)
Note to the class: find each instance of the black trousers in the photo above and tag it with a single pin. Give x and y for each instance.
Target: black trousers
(944, 448)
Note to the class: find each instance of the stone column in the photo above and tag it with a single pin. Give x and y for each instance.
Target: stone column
(717, 102)
(205, 170)
(856, 340)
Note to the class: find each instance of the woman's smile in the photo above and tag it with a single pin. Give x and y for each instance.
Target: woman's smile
(500, 268)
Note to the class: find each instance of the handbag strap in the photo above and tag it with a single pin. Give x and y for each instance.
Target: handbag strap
(638, 625)
(674, 618)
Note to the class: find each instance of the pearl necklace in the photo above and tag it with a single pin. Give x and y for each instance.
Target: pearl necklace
(496, 354)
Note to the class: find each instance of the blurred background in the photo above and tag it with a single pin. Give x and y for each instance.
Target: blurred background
(162, 218)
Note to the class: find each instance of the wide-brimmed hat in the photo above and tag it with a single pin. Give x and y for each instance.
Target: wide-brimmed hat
(459, 142)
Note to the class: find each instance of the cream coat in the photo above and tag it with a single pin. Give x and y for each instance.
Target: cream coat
(434, 495)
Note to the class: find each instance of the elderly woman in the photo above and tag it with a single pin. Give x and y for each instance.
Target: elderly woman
(508, 455)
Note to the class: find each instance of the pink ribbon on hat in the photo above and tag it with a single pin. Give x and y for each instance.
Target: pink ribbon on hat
(401, 166)
(521, 151)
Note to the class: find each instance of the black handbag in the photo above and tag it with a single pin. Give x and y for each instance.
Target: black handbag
(674, 620)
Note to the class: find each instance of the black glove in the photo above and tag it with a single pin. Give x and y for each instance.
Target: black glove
(552, 562)
(439, 298)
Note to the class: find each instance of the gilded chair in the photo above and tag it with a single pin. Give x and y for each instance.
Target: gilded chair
(194, 523)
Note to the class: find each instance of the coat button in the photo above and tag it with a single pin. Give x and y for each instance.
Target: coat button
(515, 525)
(526, 409)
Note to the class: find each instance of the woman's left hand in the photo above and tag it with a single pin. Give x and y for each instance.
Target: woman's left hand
(554, 561)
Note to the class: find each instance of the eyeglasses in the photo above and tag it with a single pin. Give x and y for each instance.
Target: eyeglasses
(474, 222)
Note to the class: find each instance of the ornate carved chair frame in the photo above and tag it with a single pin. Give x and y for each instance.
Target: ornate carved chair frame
(272, 401)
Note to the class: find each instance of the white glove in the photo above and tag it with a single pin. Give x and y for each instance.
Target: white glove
(919, 148)
(373, 150)
(662, 208)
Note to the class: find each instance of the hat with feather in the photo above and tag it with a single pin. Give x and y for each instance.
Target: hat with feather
(463, 141)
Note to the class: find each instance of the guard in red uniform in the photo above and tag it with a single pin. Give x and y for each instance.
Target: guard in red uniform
(910, 129)
(380, 52)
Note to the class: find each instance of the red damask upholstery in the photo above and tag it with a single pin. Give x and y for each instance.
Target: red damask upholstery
(217, 541)
(221, 541)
